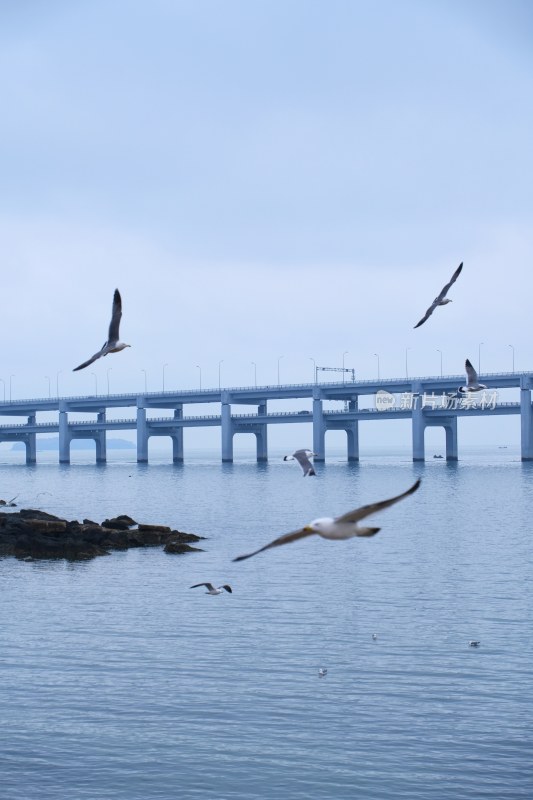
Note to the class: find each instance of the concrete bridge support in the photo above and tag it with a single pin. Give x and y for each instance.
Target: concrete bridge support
(100, 440)
(64, 436)
(451, 439)
(352, 433)
(261, 434)
(526, 423)
(142, 436)
(227, 433)
(31, 442)
(319, 431)
(177, 437)
(418, 424)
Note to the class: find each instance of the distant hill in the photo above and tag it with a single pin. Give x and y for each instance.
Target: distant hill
(52, 443)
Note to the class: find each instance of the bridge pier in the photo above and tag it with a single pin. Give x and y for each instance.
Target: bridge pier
(100, 440)
(227, 432)
(451, 439)
(64, 436)
(418, 424)
(526, 422)
(142, 436)
(31, 442)
(352, 434)
(319, 431)
(177, 437)
(261, 434)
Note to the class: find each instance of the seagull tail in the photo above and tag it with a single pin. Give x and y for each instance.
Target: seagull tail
(368, 531)
(310, 472)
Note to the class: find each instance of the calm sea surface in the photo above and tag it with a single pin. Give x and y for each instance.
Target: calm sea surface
(118, 682)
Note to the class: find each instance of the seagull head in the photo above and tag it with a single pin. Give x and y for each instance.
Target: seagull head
(318, 525)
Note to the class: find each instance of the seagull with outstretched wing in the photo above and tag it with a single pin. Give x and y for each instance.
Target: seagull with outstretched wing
(441, 299)
(213, 589)
(113, 345)
(344, 527)
(472, 382)
(302, 457)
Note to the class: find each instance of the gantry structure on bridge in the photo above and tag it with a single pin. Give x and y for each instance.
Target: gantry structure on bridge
(427, 401)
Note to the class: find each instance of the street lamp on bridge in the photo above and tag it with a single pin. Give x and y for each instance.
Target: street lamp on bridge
(378, 364)
(108, 371)
(254, 365)
(145, 381)
(49, 390)
(219, 363)
(3, 381)
(164, 365)
(406, 369)
(279, 359)
(314, 368)
(512, 348)
(198, 367)
(95, 384)
(440, 351)
(11, 376)
(57, 382)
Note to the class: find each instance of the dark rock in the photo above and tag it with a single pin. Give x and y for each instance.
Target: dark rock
(116, 524)
(157, 528)
(33, 534)
(181, 547)
(124, 518)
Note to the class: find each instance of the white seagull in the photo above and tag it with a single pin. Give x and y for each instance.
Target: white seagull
(212, 589)
(322, 672)
(472, 383)
(441, 299)
(474, 643)
(302, 457)
(344, 527)
(9, 503)
(113, 345)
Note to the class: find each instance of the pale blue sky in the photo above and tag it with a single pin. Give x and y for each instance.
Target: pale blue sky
(238, 167)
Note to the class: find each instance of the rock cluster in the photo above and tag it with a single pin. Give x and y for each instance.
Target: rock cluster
(31, 534)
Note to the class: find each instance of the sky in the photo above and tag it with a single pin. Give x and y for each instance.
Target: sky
(277, 178)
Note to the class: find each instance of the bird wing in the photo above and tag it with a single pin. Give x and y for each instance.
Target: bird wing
(365, 511)
(207, 585)
(90, 361)
(441, 296)
(471, 373)
(428, 313)
(116, 315)
(285, 539)
(303, 460)
(454, 277)
(13, 498)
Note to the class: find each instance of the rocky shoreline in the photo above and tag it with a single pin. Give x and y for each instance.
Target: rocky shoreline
(29, 534)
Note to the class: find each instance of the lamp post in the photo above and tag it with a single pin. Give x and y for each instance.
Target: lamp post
(49, 390)
(440, 351)
(378, 364)
(3, 381)
(108, 371)
(344, 354)
(254, 365)
(57, 382)
(406, 369)
(11, 376)
(279, 359)
(512, 348)
(219, 363)
(198, 367)
(314, 368)
(145, 381)
(164, 365)
(479, 356)
(95, 384)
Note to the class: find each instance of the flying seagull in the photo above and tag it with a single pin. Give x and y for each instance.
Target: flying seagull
(211, 589)
(472, 383)
(441, 300)
(112, 345)
(302, 457)
(322, 672)
(344, 527)
(9, 503)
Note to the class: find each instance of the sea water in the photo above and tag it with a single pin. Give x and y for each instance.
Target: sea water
(119, 682)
